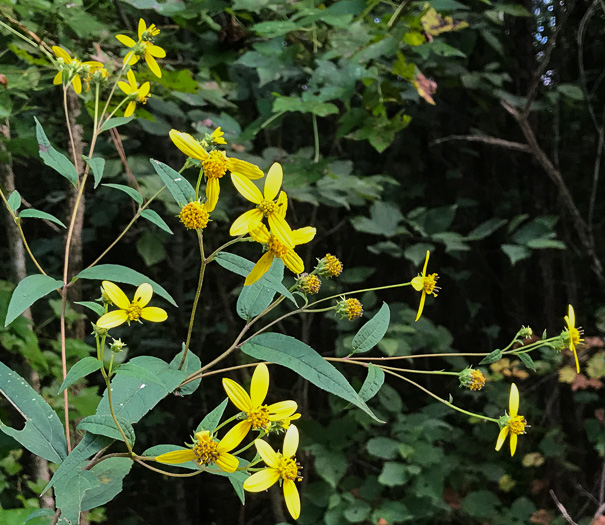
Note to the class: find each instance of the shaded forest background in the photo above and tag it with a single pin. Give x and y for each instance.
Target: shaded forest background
(500, 179)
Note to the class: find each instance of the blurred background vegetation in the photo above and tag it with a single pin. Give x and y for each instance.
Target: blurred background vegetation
(473, 128)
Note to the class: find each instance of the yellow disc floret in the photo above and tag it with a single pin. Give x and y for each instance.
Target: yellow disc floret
(329, 266)
(215, 165)
(134, 312)
(194, 216)
(517, 424)
(308, 284)
(267, 207)
(288, 468)
(206, 449)
(259, 417)
(276, 248)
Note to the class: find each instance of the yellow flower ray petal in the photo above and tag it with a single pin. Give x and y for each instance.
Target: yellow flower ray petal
(58, 78)
(188, 145)
(259, 385)
(130, 108)
(61, 53)
(292, 498)
(142, 28)
(126, 40)
(260, 268)
(77, 84)
(502, 437)
(115, 294)
(421, 305)
(131, 80)
(247, 189)
(513, 443)
(153, 65)
(290, 442)
(155, 51)
(154, 314)
(112, 319)
(213, 190)
(144, 91)
(281, 229)
(246, 221)
(303, 235)
(233, 438)
(262, 480)
(282, 204)
(293, 262)
(426, 263)
(125, 87)
(244, 168)
(260, 233)
(513, 401)
(175, 457)
(270, 457)
(239, 397)
(143, 295)
(227, 462)
(282, 410)
(273, 181)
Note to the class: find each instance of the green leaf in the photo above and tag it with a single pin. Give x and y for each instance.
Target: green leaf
(192, 364)
(27, 292)
(527, 361)
(97, 165)
(21, 516)
(255, 298)
(81, 369)
(570, 91)
(385, 219)
(275, 28)
(152, 371)
(481, 504)
(122, 274)
(515, 252)
(383, 448)
(330, 464)
(115, 122)
(485, 229)
(110, 474)
(373, 382)
(492, 357)
(212, 419)
(317, 107)
(177, 184)
(52, 158)
(39, 513)
(372, 332)
(14, 201)
(154, 217)
(69, 492)
(95, 307)
(512, 9)
(442, 49)
(106, 426)
(240, 266)
(393, 474)
(358, 511)
(30, 213)
(43, 433)
(306, 362)
(134, 194)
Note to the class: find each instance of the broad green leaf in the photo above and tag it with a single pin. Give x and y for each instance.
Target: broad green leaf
(30, 213)
(239, 265)
(383, 447)
(571, 91)
(481, 504)
(134, 194)
(70, 491)
(52, 158)
(212, 419)
(317, 107)
(115, 122)
(122, 274)
(393, 474)
(358, 511)
(43, 433)
(153, 217)
(373, 382)
(306, 362)
(81, 369)
(97, 165)
(492, 357)
(177, 184)
(110, 474)
(515, 252)
(27, 292)
(21, 516)
(372, 332)
(95, 307)
(385, 219)
(275, 28)
(14, 201)
(192, 364)
(255, 298)
(39, 513)
(330, 464)
(104, 425)
(485, 229)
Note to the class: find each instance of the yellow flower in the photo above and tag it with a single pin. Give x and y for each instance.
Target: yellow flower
(265, 206)
(258, 416)
(426, 284)
(130, 311)
(136, 94)
(215, 165)
(194, 215)
(276, 249)
(511, 423)
(144, 47)
(471, 379)
(279, 467)
(329, 266)
(70, 69)
(350, 309)
(217, 136)
(207, 451)
(574, 334)
(308, 284)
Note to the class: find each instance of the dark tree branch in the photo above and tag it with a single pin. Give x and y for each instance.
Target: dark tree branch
(486, 139)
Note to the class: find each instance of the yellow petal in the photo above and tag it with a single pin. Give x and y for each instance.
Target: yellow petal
(293, 262)
(273, 181)
(418, 283)
(513, 401)
(246, 221)
(513, 443)
(213, 189)
(126, 40)
(115, 294)
(227, 462)
(239, 397)
(142, 28)
(234, 437)
(131, 58)
(155, 51)
(426, 263)
(259, 385)
(188, 145)
(144, 91)
(575, 354)
(143, 295)
(261, 480)
(61, 53)
(58, 78)
(292, 498)
(266, 452)
(130, 108)
(421, 305)
(303, 235)
(77, 84)
(244, 168)
(125, 87)
(153, 65)
(260, 268)
(290, 442)
(572, 316)
(247, 188)
(112, 319)
(282, 204)
(131, 79)
(281, 229)
(501, 437)
(178, 456)
(154, 314)
(281, 410)
(260, 233)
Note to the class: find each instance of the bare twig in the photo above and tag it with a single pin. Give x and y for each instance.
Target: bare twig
(561, 508)
(486, 139)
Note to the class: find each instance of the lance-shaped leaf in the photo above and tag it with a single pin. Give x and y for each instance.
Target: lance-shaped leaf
(81, 369)
(52, 158)
(31, 213)
(104, 425)
(27, 292)
(97, 165)
(255, 298)
(192, 364)
(134, 194)
(177, 184)
(373, 383)
(370, 334)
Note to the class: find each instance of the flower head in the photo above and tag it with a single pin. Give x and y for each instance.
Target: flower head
(574, 336)
(135, 93)
(215, 164)
(258, 415)
(329, 266)
(130, 311)
(207, 451)
(144, 47)
(308, 284)
(194, 215)
(280, 467)
(426, 284)
(266, 206)
(471, 379)
(349, 309)
(511, 423)
(275, 249)
(71, 68)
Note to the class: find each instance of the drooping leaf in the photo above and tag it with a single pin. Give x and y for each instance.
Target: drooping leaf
(373, 382)
(97, 165)
(38, 513)
(134, 194)
(370, 334)
(177, 184)
(104, 425)
(80, 369)
(30, 213)
(27, 292)
(52, 158)
(153, 217)
(255, 298)
(95, 307)
(122, 274)
(115, 122)
(110, 474)
(306, 362)
(43, 433)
